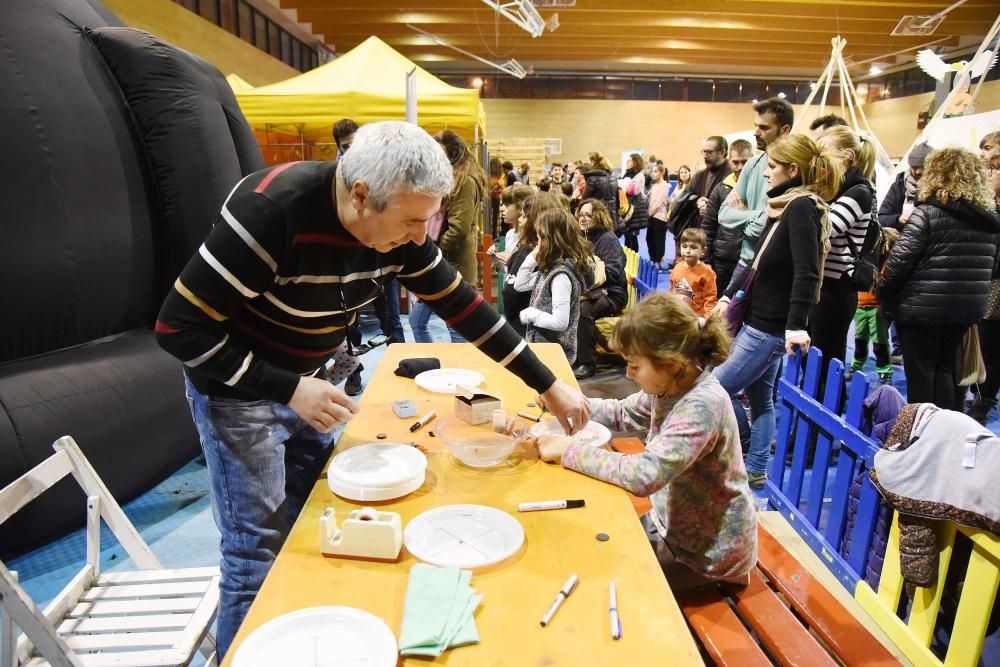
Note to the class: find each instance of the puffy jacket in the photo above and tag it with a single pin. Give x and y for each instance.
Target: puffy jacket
(604, 244)
(600, 186)
(724, 243)
(640, 213)
(939, 270)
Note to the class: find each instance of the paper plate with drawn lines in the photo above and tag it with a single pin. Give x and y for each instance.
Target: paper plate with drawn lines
(465, 536)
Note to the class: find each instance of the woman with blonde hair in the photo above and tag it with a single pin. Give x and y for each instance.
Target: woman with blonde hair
(459, 237)
(802, 177)
(937, 277)
(851, 211)
(703, 526)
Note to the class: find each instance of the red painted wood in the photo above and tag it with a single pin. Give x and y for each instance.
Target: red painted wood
(847, 638)
(719, 629)
(783, 635)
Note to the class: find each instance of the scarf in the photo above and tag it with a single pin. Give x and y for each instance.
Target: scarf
(776, 207)
(911, 186)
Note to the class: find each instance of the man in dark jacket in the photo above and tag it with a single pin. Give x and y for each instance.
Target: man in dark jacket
(935, 285)
(724, 243)
(714, 149)
(901, 197)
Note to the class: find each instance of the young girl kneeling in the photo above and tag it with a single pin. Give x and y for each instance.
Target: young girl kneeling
(703, 523)
(556, 273)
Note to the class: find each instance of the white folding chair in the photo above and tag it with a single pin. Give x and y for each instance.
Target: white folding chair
(146, 617)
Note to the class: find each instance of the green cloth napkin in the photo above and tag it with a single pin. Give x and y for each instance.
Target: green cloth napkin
(438, 613)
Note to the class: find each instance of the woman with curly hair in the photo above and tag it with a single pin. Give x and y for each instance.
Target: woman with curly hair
(937, 277)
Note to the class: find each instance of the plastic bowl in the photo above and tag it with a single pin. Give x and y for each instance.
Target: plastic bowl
(478, 446)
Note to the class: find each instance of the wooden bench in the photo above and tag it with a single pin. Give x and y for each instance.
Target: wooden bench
(785, 616)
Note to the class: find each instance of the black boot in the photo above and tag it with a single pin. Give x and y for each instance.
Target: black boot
(584, 371)
(352, 386)
(980, 409)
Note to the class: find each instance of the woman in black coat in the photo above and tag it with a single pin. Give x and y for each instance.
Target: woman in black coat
(603, 300)
(937, 277)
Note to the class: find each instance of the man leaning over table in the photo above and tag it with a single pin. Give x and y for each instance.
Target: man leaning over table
(296, 251)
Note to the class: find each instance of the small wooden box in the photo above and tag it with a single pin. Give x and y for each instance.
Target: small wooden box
(476, 410)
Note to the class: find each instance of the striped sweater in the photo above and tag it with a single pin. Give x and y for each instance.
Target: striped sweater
(850, 214)
(268, 295)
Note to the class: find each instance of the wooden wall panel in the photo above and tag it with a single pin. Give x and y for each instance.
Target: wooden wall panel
(186, 30)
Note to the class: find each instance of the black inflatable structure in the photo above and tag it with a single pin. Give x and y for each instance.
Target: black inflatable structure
(116, 152)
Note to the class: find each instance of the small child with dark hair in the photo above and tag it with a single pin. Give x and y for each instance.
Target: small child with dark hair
(692, 279)
(872, 324)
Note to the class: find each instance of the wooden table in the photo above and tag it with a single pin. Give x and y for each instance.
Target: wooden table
(517, 591)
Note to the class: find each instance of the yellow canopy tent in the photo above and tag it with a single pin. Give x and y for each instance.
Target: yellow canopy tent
(237, 83)
(367, 84)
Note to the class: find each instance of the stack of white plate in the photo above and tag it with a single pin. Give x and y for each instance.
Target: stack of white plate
(377, 471)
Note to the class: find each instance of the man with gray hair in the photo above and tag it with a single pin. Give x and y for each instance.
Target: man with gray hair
(296, 251)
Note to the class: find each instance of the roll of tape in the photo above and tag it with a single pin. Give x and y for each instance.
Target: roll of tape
(367, 514)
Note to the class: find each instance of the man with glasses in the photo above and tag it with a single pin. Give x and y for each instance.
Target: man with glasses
(714, 150)
(724, 243)
(256, 314)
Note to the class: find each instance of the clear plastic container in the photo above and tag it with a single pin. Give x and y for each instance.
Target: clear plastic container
(480, 446)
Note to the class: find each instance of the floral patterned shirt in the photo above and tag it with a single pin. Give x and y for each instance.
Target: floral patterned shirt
(692, 470)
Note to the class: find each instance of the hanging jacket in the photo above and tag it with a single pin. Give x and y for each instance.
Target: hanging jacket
(881, 408)
(939, 270)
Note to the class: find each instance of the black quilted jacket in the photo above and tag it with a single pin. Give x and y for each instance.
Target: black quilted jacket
(939, 270)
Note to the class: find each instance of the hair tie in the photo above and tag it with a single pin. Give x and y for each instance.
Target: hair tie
(701, 323)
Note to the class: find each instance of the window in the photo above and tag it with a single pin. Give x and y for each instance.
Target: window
(227, 16)
(246, 22)
(617, 89)
(672, 89)
(645, 90)
(260, 30)
(700, 90)
(727, 91)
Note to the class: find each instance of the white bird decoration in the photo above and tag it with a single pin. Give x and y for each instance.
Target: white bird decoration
(933, 66)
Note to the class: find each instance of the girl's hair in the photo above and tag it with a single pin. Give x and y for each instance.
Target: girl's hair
(515, 194)
(534, 206)
(461, 158)
(662, 326)
(635, 162)
(679, 170)
(560, 238)
(564, 201)
(598, 160)
(601, 215)
(853, 149)
(819, 166)
(495, 167)
(956, 173)
(663, 170)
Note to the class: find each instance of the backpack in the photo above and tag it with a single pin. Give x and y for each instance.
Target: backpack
(623, 203)
(869, 257)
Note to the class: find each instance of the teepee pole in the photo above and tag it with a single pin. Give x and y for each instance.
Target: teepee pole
(993, 33)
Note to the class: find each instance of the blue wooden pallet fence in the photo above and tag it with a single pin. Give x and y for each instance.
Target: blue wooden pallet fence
(801, 418)
(646, 279)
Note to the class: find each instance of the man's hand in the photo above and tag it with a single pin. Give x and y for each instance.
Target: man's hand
(720, 308)
(734, 201)
(702, 205)
(567, 405)
(321, 405)
(551, 447)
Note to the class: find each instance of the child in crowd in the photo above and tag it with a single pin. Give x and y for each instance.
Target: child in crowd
(703, 523)
(556, 273)
(692, 279)
(872, 324)
(512, 198)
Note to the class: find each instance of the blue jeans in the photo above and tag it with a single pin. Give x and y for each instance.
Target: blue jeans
(387, 311)
(262, 463)
(420, 315)
(753, 366)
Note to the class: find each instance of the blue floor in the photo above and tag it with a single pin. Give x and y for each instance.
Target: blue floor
(175, 517)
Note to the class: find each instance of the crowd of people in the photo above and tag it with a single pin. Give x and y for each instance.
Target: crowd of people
(767, 253)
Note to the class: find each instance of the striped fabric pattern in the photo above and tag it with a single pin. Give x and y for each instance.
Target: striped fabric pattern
(850, 214)
(266, 298)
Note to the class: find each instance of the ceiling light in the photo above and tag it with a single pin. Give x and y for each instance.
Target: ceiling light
(782, 95)
(521, 13)
(477, 82)
(875, 70)
(812, 85)
(753, 101)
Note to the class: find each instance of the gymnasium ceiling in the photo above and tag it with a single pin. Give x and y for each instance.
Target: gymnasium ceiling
(701, 37)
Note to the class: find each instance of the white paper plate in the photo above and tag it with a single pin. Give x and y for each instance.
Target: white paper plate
(320, 636)
(377, 465)
(368, 494)
(465, 536)
(593, 434)
(443, 380)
